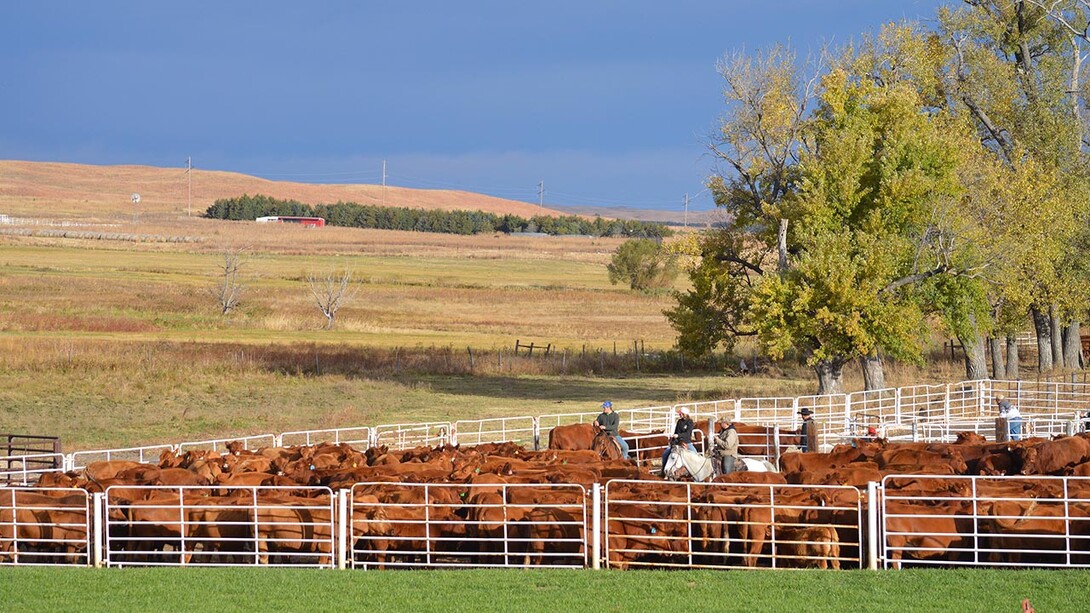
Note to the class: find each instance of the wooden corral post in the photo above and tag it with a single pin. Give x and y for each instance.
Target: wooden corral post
(1002, 430)
(470, 351)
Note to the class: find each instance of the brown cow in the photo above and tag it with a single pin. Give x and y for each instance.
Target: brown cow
(1053, 457)
(572, 436)
(808, 547)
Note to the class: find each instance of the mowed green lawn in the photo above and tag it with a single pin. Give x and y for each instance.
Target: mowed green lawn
(192, 589)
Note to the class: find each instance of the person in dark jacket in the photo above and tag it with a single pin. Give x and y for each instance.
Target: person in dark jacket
(610, 422)
(807, 428)
(683, 433)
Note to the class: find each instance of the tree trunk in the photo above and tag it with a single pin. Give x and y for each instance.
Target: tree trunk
(874, 374)
(1057, 337)
(976, 363)
(1012, 359)
(1072, 346)
(1043, 327)
(829, 374)
(999, 371)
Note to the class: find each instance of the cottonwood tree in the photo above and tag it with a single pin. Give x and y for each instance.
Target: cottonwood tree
(1016, 71)
(643, 264)
(840, 220)
(757, 148)
(330, 292)
(228, 288)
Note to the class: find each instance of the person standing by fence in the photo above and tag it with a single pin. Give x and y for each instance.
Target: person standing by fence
(726, 447)
(1010, 413)
(808, 429)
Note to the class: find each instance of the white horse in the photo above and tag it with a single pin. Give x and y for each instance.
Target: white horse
(703, 469)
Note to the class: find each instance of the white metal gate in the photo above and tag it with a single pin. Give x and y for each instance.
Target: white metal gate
(1037, 522)
(164, 525)
(399, 525)
(726, 525)
(44, 526)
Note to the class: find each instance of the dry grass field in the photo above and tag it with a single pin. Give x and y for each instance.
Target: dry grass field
(116, 340)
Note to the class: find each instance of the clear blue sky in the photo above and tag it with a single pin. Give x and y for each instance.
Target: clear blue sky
(608, 103)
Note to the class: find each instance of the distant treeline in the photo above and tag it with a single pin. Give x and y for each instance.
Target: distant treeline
(354, 215)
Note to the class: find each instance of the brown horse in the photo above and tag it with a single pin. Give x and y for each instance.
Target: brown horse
(606, 446)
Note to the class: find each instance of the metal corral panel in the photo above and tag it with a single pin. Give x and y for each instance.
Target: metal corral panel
(359, 437)
(44, 526)
(407, 436)
(496, 430)
(406, 525)
(144, 455)
(27, 469)
(219, 445)
(214, 526)
(1036, 522)
(724, 525)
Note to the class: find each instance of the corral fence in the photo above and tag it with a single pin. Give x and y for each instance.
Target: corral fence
(909, 520)
(910, 413)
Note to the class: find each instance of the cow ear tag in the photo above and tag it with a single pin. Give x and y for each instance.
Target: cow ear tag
(654, 530)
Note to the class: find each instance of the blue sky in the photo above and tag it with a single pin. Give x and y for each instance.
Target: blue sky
(608, 103)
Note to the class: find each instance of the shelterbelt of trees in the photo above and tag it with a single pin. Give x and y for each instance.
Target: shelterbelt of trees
(351, 214)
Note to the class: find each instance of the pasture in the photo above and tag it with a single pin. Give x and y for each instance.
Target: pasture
(238, 589)
(114, 343)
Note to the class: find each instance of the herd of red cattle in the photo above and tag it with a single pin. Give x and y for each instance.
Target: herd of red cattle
(473, 506)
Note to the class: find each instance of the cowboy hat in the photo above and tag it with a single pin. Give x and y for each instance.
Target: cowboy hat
(806, 411)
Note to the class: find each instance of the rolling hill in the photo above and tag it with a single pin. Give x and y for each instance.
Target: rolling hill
(62, 190)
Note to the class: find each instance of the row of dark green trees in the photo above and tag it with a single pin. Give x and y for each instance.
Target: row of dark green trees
(351, 214)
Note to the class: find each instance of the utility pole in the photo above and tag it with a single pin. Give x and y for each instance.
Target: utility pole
(189, 175)
(541, 196)
(383, 182)
(686, 210)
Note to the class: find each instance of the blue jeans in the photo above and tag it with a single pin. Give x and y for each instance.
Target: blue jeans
(1015, 426)
(666, 452)
(624, 445)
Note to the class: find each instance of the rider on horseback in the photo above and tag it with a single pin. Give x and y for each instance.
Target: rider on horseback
(683, 433)
(610, 422)
(726, 446)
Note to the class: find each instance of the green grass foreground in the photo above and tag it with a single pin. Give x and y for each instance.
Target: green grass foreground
(248, 589)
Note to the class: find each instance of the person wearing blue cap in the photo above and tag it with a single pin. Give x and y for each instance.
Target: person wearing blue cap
(611, 423)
